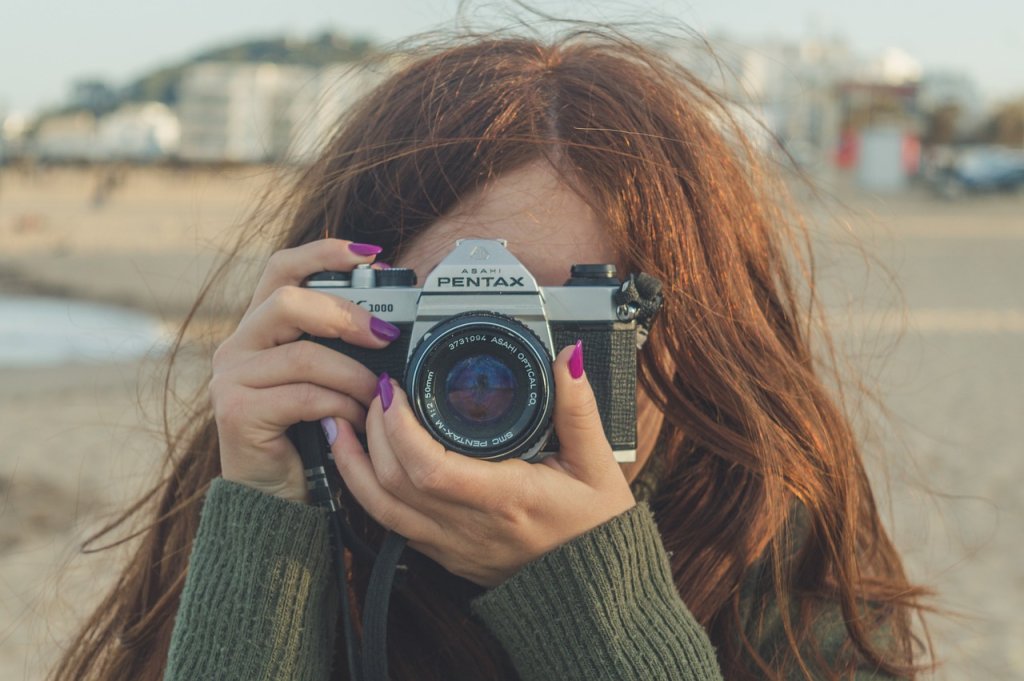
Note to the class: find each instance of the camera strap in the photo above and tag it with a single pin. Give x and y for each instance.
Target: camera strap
(375, 614)
(372, 663)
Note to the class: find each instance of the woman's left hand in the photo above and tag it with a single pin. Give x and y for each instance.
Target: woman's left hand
(485, 520)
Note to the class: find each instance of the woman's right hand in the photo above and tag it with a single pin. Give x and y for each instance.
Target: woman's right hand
(266, 379)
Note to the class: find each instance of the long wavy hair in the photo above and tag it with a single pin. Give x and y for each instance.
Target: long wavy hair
(762, 474)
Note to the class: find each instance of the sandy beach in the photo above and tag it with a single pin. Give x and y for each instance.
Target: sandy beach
(941, 341)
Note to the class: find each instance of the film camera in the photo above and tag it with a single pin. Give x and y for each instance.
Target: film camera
(477, 342)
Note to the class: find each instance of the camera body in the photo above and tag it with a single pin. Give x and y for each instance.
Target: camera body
(477, 342)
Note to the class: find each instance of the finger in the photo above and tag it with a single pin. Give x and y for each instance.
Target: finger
(306, 361)
(390, 473)
(291, 266)
(359, 474)
(281, 406)
(430, 469)
(291, 311)
(585, 451)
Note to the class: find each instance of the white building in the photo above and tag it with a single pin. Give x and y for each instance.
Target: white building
(238, 112)
(320, 103)
(784, 88)
(67, 137)
(146, 131)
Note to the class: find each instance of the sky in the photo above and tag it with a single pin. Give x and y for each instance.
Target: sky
(46, 44)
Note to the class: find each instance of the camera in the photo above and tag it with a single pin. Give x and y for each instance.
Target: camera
(477, 342)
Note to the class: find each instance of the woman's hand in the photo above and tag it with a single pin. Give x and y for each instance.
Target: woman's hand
(265, 379)
(484, 520)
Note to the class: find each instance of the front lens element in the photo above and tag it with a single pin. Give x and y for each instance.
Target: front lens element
(480, 389)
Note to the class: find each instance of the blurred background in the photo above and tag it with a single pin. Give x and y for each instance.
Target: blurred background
(135, 138)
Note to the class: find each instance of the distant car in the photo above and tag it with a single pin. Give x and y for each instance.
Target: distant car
(980, 169)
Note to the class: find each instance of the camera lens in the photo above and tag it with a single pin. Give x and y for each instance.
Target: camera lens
(481, 384)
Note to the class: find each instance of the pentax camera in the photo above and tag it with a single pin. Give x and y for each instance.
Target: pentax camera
(477, 342)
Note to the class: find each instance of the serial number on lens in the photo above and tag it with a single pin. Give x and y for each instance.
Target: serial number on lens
(475, 338)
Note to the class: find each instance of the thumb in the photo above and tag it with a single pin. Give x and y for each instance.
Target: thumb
(584, 448)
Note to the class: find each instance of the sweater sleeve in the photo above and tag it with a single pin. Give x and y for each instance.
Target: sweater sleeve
(602, 606)
(258, 602)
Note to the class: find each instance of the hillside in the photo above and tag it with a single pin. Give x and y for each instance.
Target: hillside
(327, 48)
(162, 84)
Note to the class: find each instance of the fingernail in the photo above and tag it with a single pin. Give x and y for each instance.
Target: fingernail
(330, 429)
(364, 249)
(384, 389)
(576, 360)
(384, 330)
(381, 265)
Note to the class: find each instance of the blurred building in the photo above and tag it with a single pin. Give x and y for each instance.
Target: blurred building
(13, 129)
(65, 137)
(786, 87)
(253, 113)
(830, 109)
(319, 105)
(238, 112)
(146, 131)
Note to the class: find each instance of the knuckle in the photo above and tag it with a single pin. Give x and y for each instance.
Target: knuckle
(222, 354)
(387, 517)
(277, 260)
(509, 510)
(216, 386)
(435, 478)
(391, 477)
(229, 407)
(585, 409)
(343, 319)
(284, 298)
(306, 394)
(301, 356)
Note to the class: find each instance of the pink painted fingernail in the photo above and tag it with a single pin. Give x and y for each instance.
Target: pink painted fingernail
(576, 360)
(381, 265)
(330, 429)
(384, 330)
(364, 249)
(384, 389)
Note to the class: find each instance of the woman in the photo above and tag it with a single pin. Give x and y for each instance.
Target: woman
(743, 544)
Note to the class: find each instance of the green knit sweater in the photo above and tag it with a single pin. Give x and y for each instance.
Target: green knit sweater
(259, 604)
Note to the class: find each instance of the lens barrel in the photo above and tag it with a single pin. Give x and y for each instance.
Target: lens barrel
(481, 383)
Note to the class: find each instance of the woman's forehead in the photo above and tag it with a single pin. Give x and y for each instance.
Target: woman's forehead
(548, 227)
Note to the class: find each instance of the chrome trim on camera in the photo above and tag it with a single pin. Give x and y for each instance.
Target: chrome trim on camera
(621, 455)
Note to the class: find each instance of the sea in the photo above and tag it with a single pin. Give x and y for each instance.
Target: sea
(44, 331)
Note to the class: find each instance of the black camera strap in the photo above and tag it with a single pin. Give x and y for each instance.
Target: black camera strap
(372, 663)
(375, 615)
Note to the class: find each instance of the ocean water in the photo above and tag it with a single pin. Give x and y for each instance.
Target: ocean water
(38, 331)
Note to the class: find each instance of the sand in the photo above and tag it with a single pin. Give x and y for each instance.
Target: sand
(82, 439)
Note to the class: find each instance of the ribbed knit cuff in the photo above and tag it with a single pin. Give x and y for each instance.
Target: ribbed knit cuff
(602, 606)
(258, 602)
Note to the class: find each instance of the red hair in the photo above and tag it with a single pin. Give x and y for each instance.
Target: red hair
(762, 471)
